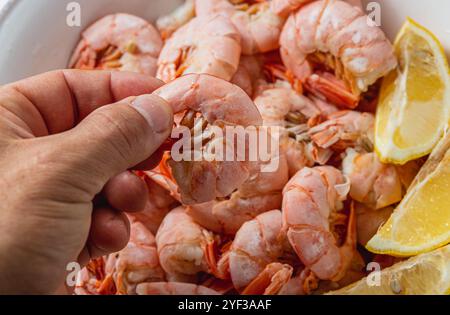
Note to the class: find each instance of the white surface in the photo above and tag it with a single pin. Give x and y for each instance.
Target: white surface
(35, 38)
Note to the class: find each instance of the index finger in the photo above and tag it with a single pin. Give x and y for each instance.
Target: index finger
(57, 101)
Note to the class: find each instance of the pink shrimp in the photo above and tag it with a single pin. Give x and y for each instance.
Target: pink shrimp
(345, 129)
(120, 42)
(281, 106)
(220, 104)
(173, 288)
(254, 257)
(209, 45)
(137, 263)
(184, 247)
(169, 24)
(373, 183)
(286, 7)
(159, 204)
(259, 28)
(330, 46)
(248, 74)
(90, 280)
(260, 193)
(312, 202)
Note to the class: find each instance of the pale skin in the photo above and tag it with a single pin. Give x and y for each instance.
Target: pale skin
(65, 156)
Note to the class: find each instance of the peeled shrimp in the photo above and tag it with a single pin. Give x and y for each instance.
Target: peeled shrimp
(120, 42)
(345, 129)
(312, 202)
(260, 193)
(184, 247)
(329, 46)
(258, 26)
(168, 24)
(173, 288)
(137, 263)
(209, 45)
(255, 254)
(221, 104)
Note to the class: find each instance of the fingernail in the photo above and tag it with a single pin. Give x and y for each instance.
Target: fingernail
(156, 111)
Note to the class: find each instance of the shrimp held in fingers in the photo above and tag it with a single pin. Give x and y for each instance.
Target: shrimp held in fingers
(209, 102)
(209, 45)
(120, 42)
(333, 49)
(261, 192)
(312, 204)
(173, 288)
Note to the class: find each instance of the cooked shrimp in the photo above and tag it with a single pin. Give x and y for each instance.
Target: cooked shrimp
(90, 279)
(221, 104)
(284, 107)
(286, 7)
(345, 129)
(159, 203)
(184, 247)
(168, 24)
(209, 45)
(281, 106)
(248, 74)
(260, 193)
(119, 42)
(373, 183)
(255, 255)
(173, 288)
(258, 26)
(329, 45)
(137, 263)
(312, 201)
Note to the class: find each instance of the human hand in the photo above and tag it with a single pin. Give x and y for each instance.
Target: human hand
(64, 157)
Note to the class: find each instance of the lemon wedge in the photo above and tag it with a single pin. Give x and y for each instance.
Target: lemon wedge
(421, 221)
(414, 103)
(424, 274)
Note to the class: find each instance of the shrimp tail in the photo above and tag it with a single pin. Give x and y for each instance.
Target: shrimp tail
(219, 269)
(270, 280)
(333, 89)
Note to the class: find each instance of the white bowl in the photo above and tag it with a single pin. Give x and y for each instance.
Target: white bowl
(35, 37)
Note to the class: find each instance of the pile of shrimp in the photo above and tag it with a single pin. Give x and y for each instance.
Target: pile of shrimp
(311, 68)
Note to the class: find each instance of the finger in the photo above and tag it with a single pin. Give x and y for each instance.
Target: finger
(116, 138)
(110, 232)
(126, 192)
(56, 101)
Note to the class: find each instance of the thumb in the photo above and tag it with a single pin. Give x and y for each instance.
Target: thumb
(117, 137)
